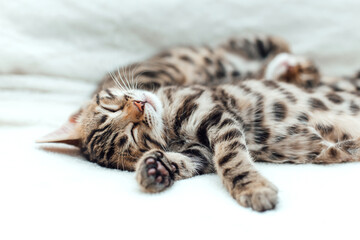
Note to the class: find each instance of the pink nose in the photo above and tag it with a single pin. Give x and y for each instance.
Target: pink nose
(140, 105)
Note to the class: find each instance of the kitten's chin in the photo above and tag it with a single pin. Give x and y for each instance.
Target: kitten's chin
(154, 110)
(154, 102)
(150, 103)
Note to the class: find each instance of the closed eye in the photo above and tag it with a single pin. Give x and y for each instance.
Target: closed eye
(111, 107)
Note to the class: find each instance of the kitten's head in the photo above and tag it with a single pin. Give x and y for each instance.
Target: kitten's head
(115, 127)
(293, 69)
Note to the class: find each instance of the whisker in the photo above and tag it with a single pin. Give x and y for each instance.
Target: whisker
(122, 87)
(113, 77)
(119, 73)
(127, 70)
(120, 80)
(125, 79)
(119, 84)
(136, 75)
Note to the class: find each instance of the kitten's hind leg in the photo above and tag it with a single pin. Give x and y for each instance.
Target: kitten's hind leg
(257, 47)
(246, 185)
(234, 165)
(344, 151)
(293, 69)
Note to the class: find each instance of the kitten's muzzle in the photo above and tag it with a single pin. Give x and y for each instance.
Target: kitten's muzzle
(140, 105)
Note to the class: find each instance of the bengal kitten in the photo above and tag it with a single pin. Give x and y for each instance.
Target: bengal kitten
(169, 118)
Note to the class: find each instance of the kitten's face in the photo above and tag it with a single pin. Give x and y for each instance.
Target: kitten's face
(293, 69)
(117, 127)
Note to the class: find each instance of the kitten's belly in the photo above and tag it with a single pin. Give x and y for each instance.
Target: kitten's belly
(298, 143)
(285, 142)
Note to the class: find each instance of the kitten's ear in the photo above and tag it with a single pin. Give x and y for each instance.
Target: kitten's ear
(68, 133)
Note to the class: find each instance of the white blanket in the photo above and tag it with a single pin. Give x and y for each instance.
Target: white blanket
(51, 55)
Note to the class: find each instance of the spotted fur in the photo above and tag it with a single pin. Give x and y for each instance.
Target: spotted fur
(169, 118)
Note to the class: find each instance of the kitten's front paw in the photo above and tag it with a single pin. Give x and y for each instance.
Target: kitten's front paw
(260, 198)
(154, 173)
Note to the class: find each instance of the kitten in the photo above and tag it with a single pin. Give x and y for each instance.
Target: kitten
(191, 111)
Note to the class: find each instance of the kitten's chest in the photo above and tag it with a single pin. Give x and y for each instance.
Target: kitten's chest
(264, 117)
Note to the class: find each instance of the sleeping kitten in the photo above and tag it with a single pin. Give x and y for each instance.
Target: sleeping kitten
(160, 120)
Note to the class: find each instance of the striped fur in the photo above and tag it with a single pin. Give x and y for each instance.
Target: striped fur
(169, 118)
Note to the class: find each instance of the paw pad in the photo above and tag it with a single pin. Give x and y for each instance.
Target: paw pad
(157, 170)
(155, 173)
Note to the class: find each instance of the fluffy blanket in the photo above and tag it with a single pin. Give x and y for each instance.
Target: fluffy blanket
(51, 55)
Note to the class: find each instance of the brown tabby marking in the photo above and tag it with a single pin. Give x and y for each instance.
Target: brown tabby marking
(177, 121)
